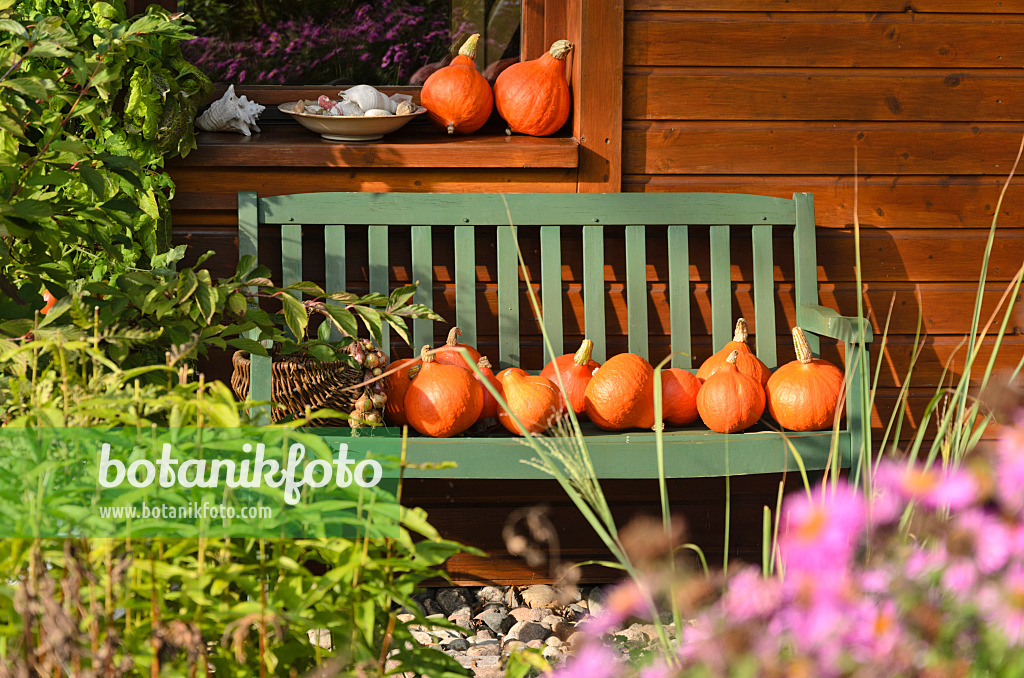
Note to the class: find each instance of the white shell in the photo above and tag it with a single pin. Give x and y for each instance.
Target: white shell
(231, 114)
(346, 108)
(367, 98)
(377, 113)
(406, 108)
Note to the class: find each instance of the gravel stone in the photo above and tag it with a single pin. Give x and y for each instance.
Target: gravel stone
(540, 596)
(497, 621)
(455, 644)
(484, 651)
(525, 631)
(491, 594)
(451, 600)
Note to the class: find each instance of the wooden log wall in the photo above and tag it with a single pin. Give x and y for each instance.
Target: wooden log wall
(912, 108)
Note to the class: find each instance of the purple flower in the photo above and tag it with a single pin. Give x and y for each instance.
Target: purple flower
(1001, 604)
(592, 661)
(627, 599)
(750, 596)
(1009, 471)
(820, 533)
(932, 487)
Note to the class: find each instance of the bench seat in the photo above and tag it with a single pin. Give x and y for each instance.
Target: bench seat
(577, 238)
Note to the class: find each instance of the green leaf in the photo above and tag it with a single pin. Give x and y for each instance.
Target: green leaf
(48, 50)
(343, 297)
(70, 146)
(371, 318)
(401, 296)
(207, 298)
(246, 344)
(12, 26)
(236, 303)
(94, 180)
(306, 287)
(323, 332)
(345, 321)
(295, 316)
(30, 87)
(245, 263)
(187, 284)
(33, 209)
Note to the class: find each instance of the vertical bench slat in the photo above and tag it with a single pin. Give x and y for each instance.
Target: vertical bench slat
(551, 287)
(465, 283)
(721, 287)
(636, 289)
(806, 259)
(508, 299)
(291, 258)
(679, 294)
(593, 290)
(764, 294)
(377, 244)
(422, 271)
(259, 366)
(334, 266)
(291, 255)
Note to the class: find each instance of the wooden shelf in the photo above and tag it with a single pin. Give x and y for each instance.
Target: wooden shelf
(418, 144)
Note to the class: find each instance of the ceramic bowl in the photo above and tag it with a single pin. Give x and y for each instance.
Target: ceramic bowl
(349, 127)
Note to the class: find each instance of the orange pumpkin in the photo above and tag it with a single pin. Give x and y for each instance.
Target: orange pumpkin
(490, 408)
(395, 386)
(576, 370)
(533, 96)
(746, 362)
(443, 400)
(535, 401)
(730, 401)
(449, 354)
(457, 97)
(620, 395)
(803, 394)
(679, 390)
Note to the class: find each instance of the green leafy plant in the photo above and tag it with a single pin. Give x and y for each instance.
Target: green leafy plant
(91, 101)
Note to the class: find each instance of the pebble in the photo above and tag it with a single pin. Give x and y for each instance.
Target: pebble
(540, 595)
(494, 621)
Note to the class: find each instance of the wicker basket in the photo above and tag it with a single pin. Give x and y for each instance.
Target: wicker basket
(300, 381)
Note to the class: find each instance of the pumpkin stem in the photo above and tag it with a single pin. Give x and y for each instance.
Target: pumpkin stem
(560, 49)
(732, 357)
(469, 47)
(425, 354)
(803, 350)
(484, 363)
(584, 352)
(453, 336)
(741, 333)
(451, 128)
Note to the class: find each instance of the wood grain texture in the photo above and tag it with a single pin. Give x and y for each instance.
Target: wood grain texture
(418, 144)
(887, 6)
(884, 201)
(926, 94)
(595, 27)
(532, 23)
(818, 148)
(821, 39)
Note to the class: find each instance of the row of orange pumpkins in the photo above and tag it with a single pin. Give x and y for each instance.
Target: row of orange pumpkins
(531, 96)
(440, 396)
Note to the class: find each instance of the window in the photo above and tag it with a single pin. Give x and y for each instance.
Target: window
(340, 42)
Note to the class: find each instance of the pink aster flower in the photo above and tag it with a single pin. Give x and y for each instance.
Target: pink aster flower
(1001, 604)
(592, 661)
(1009, 471)
(933, 487)
(876, 633)
(821, 532)
(750, 596)
(627, 599)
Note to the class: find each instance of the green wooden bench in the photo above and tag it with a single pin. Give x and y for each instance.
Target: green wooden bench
(677, 217)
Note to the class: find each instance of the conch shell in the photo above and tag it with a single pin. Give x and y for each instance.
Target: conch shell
(368, 98)
(231, 113)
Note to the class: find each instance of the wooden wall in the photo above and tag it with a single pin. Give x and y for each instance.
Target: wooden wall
(924, 99)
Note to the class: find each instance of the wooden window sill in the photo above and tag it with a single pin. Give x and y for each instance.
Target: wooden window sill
(418, 144)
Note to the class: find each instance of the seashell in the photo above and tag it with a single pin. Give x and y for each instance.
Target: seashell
(231, 113)
(378, 113)
(315, 110)
(367, 98)
(406, 108)
(346, 108)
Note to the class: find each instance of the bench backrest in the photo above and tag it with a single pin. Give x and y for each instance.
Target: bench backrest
(549, 217)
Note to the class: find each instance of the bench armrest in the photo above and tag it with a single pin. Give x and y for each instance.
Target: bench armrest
(826, 322)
